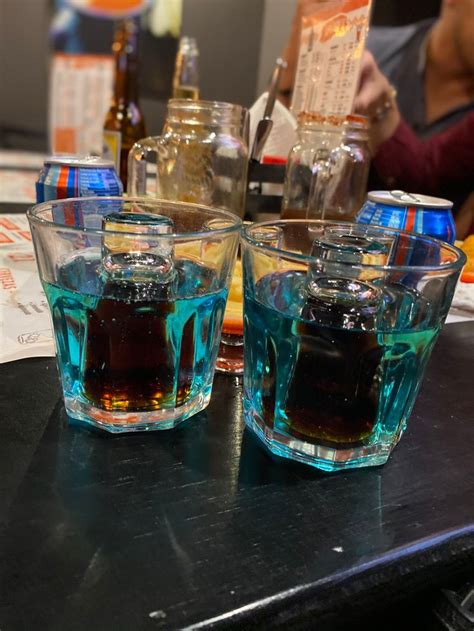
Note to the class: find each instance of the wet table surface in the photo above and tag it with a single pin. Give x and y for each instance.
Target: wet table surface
(199, 527)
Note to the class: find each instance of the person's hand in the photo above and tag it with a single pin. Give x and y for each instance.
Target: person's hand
(375, 99)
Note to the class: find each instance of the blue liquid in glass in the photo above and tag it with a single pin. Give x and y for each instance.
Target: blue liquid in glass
(135, 345)
(312, 377)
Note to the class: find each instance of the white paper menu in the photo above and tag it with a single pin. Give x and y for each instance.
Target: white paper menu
(25, 324)
(80, 92)
(331, 47)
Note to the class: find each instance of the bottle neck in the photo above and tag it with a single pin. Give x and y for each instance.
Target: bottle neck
(187, 63)
(126, 62)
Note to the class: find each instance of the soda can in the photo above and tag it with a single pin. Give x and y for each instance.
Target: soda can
(70, 176)
(412, 212)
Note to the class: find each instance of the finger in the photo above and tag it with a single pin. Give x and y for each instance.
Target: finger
(366, 98)
(372, 94)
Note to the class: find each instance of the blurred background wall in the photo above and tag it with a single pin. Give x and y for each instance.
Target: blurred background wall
(24, 56)
(398, 12)
(238, 40)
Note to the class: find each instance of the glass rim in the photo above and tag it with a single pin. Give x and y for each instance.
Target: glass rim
(450, 266)
(200, 112)
(33, 217)
(202, 104)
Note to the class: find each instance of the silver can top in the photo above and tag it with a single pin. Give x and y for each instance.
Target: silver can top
(84, 162)
(401, 198)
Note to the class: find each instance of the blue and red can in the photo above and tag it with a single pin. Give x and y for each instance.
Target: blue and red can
(63, 177)
(406, 211)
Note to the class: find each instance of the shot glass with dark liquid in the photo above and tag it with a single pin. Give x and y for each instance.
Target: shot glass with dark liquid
(340, 320)
(230, 358)
(137, 302)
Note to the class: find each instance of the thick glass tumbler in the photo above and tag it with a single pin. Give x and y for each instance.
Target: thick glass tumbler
(339, 322)
(137, 290)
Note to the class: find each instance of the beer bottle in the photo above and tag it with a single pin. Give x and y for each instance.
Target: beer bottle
(186, 70)
(124, 123)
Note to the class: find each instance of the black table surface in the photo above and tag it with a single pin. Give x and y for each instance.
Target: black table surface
(199, 527)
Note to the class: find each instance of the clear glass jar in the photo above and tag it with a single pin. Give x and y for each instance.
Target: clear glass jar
(201, 157)
(318, 136)
(339, 178)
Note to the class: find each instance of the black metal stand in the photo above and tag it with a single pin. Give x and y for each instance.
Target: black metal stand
(260, 174)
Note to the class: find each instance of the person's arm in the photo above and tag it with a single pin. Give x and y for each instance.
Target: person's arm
(404, 161)
(375, 99)
(465, 218)
(401, 159)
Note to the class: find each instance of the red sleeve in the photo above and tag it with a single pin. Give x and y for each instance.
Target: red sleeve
(404, 161)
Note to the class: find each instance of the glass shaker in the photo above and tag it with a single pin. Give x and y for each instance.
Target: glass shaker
(339, 176)
(318, 136)
(201, 157)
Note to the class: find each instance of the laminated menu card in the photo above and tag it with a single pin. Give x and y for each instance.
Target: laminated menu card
(331, 46)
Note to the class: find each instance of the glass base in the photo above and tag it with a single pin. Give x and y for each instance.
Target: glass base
(230, 367)
(320, 456)
(230, 358)
(117, 422)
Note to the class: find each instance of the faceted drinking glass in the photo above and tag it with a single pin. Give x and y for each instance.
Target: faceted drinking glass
(137, 290)
(339, 322)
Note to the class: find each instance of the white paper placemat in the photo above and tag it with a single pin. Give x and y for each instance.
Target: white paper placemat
(25, 323)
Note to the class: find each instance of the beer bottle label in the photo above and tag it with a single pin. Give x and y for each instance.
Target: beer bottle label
(112, 143)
